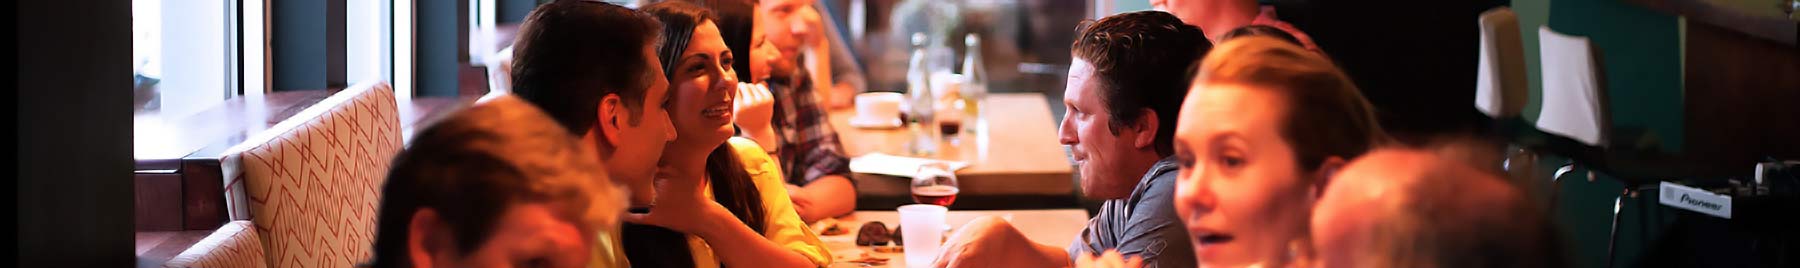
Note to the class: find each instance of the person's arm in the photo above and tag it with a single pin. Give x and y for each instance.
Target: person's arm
(820, 164)
(682, 206)
(992, 242)
(783, 226)
(826, 197)
(755, 108)
(738, 246)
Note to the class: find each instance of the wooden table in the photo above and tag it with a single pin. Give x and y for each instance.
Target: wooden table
(1015, 158)
(1056, 227)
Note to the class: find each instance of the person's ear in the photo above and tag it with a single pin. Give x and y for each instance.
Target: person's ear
(425, 237)
(1146, 126)
(1326, 173)
(610, 118)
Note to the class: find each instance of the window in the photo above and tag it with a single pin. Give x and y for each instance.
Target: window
(183, 62)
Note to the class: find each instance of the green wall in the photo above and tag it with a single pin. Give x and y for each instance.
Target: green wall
(1640, 53)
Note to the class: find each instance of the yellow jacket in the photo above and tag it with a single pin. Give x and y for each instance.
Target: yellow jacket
(784, 225)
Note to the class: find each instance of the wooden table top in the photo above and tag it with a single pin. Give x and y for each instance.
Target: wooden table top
(159, 143)
(1017, 153)
(1056, 227)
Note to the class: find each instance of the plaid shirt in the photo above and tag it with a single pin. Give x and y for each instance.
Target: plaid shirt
(808, 147)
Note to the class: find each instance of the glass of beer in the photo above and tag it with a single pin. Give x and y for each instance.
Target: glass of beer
(935, 184)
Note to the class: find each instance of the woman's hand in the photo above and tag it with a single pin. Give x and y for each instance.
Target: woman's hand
(681, 205)
(755, 109)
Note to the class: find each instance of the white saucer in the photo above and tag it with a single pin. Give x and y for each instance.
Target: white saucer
(874, 123)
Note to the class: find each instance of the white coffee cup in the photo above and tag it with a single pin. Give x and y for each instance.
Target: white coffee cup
(878, 106)
(922, 232)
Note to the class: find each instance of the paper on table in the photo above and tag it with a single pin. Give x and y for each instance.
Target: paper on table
(884, 164)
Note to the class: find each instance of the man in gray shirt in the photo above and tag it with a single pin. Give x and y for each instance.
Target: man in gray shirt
(1126, 84)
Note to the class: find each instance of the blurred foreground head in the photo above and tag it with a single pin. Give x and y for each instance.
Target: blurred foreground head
(1417, 208)
(496, 184)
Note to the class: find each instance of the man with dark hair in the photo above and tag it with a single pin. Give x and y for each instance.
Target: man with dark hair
(498, 184)
(593, 67)
(1125, 87)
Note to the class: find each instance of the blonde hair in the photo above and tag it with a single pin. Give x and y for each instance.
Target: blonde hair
(1326, 114)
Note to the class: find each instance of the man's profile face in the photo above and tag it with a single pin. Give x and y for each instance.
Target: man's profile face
(633, 163)
(1100, 154)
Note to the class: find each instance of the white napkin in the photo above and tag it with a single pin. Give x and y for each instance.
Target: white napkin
(884, 164)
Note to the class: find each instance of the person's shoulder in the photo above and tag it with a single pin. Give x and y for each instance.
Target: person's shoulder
(1160, 177)
(757, 163)
(1156, 195)
(746, 148)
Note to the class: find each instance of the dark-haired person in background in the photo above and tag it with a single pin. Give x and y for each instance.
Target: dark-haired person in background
(799, 134)
(1124, 90)
(496, 185)
(592, 67)
(720, 200)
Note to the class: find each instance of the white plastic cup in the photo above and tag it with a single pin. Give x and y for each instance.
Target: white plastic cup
(922, 229)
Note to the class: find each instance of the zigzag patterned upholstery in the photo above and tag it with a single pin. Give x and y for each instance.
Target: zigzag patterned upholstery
(234, 245)
(310, 184)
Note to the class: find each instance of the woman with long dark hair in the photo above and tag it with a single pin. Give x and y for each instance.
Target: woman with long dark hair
(708, 180)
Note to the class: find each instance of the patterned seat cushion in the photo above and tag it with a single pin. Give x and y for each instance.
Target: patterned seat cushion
(235, 245)
(310, 184)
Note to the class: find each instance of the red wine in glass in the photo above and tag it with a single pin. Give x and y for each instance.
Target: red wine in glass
(950, 127)
(942, 195)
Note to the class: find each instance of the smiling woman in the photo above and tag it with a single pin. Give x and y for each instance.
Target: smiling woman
(705, 179)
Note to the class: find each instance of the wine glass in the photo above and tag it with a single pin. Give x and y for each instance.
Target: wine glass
(935, 183)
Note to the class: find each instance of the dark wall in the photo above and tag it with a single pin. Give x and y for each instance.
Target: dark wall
(308, 44)
(336, 72)
(1415, 60)
(514, 11)
(440, 46)
(74, 134)
(298, 43)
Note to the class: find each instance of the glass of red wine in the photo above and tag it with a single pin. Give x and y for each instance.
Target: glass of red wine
(935, 184)
(950, 123)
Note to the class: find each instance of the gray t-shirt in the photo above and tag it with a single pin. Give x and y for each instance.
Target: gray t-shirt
(1144, 224)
